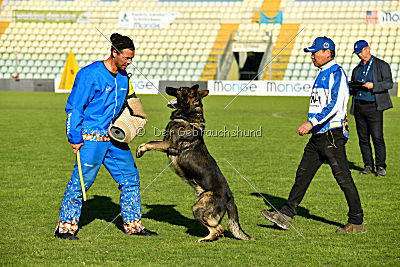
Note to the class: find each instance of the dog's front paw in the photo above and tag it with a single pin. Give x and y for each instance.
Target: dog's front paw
(140, 150)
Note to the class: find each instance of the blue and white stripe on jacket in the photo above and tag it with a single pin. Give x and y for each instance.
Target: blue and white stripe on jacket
(329, 97)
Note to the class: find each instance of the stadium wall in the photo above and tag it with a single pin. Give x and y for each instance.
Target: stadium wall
(27, 85)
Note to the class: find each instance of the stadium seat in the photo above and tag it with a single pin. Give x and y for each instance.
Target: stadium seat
(140, 65)
(178, 65)
(175, 72)
(192, 41)
(4, 69)
(25, 69)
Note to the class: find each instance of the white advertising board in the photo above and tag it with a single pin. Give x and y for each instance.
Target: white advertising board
(261, 88)
(145, 19)
(149, 87)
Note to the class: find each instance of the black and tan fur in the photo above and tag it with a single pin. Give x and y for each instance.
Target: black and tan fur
(184, 144)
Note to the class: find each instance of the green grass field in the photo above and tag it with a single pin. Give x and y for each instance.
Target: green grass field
(36, 163)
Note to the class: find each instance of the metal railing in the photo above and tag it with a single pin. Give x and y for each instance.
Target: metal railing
(226, 59)
(267, 58)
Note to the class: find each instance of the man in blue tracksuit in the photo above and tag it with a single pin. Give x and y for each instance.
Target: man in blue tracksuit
(96, 99)
(327, 122)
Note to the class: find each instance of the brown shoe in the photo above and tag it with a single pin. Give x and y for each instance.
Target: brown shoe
(280, 219)
(352, 228)
(367, 170)
(380, 171)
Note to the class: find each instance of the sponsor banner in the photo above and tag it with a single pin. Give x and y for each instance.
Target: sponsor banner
(261, 88)
(249, 47)
(141, 87)
(390, 17)
(52, 16)
(383, 17)
(145, 87)
(338, 0)
(145, 19)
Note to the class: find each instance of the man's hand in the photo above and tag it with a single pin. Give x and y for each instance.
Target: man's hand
(369, 85)
(76, 147)
(305, 128)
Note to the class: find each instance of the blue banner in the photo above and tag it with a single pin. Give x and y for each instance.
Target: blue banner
(275, 20)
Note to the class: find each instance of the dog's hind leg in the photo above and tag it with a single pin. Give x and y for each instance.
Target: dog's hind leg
(204, 211)
(214, 233)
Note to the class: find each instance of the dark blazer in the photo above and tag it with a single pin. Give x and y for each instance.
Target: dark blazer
(383, 82)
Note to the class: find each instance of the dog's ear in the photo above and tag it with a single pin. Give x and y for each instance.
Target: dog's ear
(203, 93)
(172, 91)
(196, 87)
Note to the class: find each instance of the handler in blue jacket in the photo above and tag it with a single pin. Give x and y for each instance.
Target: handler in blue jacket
(96, 99)
(327, 122)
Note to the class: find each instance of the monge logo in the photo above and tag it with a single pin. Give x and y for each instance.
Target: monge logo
(235, 87)
(390, 17)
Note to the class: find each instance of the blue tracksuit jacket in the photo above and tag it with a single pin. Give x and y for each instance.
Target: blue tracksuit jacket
(95, 100)
(329, 97)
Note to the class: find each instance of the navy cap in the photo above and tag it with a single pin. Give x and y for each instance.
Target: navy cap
(359, 45)
(321, 43)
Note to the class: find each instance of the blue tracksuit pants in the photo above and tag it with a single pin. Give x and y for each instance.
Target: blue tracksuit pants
(119, 162)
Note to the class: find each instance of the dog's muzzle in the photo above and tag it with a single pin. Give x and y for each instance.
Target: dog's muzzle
(126, 127)
(172, 103)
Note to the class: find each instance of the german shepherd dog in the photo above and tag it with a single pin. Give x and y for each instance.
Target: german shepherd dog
(184, 144)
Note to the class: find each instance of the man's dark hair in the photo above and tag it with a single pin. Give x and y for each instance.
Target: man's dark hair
(333, 54)
(121, 42)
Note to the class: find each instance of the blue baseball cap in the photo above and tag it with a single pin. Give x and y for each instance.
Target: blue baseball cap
(321, 43)
(359, 45)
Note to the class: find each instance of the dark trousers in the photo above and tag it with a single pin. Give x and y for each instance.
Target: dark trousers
(330, 147)
(369, 124)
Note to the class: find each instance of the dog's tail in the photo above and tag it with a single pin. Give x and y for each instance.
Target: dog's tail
(233, 222)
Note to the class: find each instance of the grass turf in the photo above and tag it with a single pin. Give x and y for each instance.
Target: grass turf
(36, 163)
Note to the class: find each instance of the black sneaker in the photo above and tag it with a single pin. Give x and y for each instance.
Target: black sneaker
(380, 171)
(68, 236)
(367, 170)
(145, 232)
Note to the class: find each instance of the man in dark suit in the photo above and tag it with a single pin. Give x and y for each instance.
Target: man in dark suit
(370, 82)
